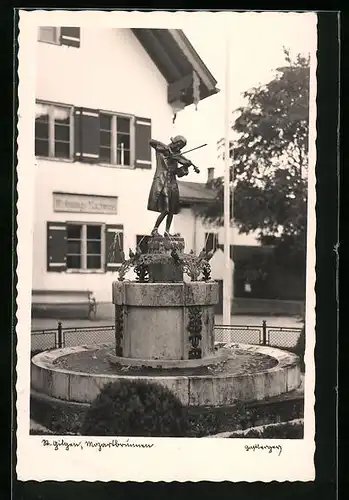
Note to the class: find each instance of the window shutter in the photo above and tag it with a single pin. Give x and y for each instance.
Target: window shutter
(142, 138)
(70, 36)
(86, 135)
(113, 259)
(56, 246)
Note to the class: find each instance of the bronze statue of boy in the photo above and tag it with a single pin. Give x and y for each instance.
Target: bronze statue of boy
(164, 192)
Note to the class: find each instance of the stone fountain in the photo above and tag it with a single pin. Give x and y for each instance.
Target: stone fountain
(164, 333)
(164, 325)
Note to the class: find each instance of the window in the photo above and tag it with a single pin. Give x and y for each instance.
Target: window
(115, 139)
(53, 131)
(211, 242)
(49, 34)
(84, 246)
(66, 35)
(111, 138)
(87, 135)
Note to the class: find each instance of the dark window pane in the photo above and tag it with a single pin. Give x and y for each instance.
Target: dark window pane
(142, 242)
(74, 247)
(62, 133)
(105, 155)
(105, 139)
(94, 247)
(41, 147)
(73, 261)
(72, 31)
(61, 115)
(105, 122)
(123, 124)
(93, 232)
(41, 129)
(74, 231)
(123, 157)
(62, 149)
(93, 262)
(211, 242)
(123, 139)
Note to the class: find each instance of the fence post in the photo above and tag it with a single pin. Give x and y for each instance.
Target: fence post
(60, 336)
(264, 332)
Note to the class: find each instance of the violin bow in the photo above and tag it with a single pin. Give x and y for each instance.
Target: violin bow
(193, 149)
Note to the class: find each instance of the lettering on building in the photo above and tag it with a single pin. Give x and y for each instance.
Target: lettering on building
(81, 203)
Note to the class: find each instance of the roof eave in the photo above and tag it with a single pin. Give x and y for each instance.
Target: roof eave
(177, 60)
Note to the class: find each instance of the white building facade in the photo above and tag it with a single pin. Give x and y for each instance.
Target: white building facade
(101, 94)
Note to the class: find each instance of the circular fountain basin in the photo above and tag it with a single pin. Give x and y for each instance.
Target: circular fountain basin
(245, 373)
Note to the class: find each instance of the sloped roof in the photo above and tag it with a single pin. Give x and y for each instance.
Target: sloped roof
(195, 192)
(176, 59)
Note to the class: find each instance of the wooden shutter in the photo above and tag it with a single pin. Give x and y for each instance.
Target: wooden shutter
(113, 259)
(56, 246)
(70, 36)
(86, 135)
(142, 147)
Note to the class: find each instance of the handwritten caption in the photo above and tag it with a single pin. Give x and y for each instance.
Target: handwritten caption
(270, 448)
(62, 444)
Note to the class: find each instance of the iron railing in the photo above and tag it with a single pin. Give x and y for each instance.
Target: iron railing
(69, 337)
(277, 336)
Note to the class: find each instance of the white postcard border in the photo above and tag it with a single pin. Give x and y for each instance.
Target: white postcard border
(169, 459)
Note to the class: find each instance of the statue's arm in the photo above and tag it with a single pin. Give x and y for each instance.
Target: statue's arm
(158, 146)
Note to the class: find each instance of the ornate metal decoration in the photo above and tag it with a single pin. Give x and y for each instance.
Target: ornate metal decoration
(196, 267)
(194, 328)
(119, 329)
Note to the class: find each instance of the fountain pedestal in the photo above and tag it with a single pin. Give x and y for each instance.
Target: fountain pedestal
(164, 321)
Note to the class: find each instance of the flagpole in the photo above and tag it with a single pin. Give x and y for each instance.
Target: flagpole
(227, 281)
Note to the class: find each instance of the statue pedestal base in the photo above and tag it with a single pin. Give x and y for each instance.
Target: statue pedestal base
(165, 272)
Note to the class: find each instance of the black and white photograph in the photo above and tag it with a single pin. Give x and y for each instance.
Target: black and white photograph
(166, 246)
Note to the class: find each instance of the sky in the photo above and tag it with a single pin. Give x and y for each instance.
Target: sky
(256, 50)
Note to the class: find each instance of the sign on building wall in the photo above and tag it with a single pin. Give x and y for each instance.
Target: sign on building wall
(83, 203)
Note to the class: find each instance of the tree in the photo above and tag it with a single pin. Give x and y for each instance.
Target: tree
(270, 159)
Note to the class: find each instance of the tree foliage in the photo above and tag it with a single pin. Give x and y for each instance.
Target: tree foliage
(270, 158)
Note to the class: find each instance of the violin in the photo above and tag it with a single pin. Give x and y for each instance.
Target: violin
(167, 150)
(183, 161)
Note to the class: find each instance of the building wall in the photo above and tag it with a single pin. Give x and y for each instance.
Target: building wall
(110, 71)
(193, 230)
